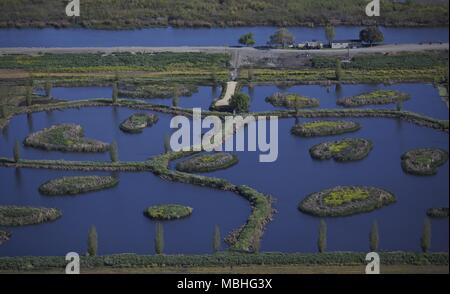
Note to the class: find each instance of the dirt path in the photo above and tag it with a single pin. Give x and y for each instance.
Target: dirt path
(231, 88)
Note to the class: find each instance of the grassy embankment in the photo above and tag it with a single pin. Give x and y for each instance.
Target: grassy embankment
(121, 14)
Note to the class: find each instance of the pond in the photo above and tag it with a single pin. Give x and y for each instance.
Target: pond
(51, 37)
(291, 178)
(424, 99)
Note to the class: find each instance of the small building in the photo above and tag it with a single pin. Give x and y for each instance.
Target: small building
(314, 45)
(344, 44)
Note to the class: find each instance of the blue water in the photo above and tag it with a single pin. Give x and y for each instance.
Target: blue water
(424, 99)
(121, 226)
(51, 37)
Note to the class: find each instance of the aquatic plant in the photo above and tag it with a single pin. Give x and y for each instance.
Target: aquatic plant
(168, 211)
(374, 98)
(77, 185)
(342, 150)
(423, 161)
(137, 122)
(324, 128)
(25, 215)
(290, 100)
(207, 162)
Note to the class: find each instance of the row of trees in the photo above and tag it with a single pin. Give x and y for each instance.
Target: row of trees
(283, 37)
(374, 239)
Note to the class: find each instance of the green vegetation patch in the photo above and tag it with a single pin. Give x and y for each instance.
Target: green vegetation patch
(168, 211)
(374, 98)
(324, 128)
(77, 185)
(162, 90)
(137, 122)
(345, 200)
(342, 150)
(154, 62)
(293, 101)
(24, 215)
(441, 212)
(423, 161)
(207, 162)
(64, 137)
(4, 236)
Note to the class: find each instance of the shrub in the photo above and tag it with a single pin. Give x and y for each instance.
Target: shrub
(168, 211)
(240, 102)
(92, 241)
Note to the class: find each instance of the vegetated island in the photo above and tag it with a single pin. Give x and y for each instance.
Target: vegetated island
(11, 216)
(77, 185)
(137, 122)
(342, 150)
(168, 211)
(4, 236)
(374, 98)
(440, 212)
(423, 161)
(324, 128)
(290, 100)
(209, 162)
(66, 138)
(162, 90)
(345, 200)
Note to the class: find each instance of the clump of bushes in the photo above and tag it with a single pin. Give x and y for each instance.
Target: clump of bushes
(345, 200)
(168, 211)
(423, 161)
(25, 215)
(324, 128)
(293, 101)
(440, 212)
(207, 162)
(4, 236)
(374, 98)
(64, 137)
(77, 185)
(342, 150)
(137, 122)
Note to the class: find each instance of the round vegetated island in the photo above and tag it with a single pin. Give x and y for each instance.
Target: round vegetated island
(11, 216)
(168, 211)
(77, 185)
(290, 100)
(137, 122)
(378, 97)
(345, 201)
(207, 162)
(351, 149)
(438, 212)
(66, 138)
(324, 128)
(423, 161)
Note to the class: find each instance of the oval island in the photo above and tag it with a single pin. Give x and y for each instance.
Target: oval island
(66, 138)
(342, 150)
(207, 162)
(290, 100)
(11, 216)
(324, 128)
(77, 185)
(423, 161)
(345, 200)
(168, 211)
(137, 122)
(374, 98)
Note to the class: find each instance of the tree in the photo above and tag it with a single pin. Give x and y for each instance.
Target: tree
(399, 105)
(159, 239)
(338, 70)
(2, 111)
(330, 33)
(113, 152)
(216, 239)
(48, 90)
(28, 96)
(92, 241)
(250, 74)
(16, 151)
(374, 238)
(167, 147)
(281, 37)
(322, 242)
(240, 102)
(115, 92)
(425, 240)
(247, 40)
(371, 35)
